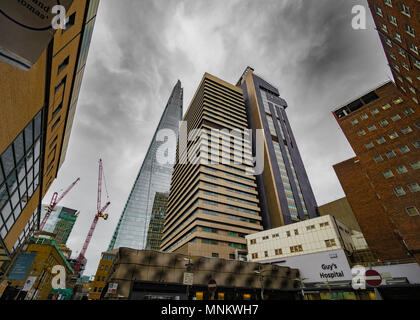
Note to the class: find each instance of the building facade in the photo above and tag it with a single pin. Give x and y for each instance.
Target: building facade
(285, 192)
(213, 203)
(60, 222)
(382, 182)
(154, 234)
(158, 275)
(153, 177)
(104, 268)
(399, 29)
(36, 115)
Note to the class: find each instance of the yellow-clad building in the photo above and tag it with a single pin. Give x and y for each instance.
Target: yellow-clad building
(36, 116)
(47, 255)
(104, 267)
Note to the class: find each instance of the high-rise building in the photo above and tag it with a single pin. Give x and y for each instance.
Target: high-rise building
(398, 26)
(213, 203)
(154, 177)
(60, 222)
(285, 192)
(382, 182)
(154, 234)
(36, 115)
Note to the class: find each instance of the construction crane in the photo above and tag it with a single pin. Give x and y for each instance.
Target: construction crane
(54, 201)
(99, 214)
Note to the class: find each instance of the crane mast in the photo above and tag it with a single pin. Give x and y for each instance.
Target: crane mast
(98, 215)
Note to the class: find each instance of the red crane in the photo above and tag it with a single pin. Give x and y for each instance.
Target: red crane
(54, 201)
(99, 214)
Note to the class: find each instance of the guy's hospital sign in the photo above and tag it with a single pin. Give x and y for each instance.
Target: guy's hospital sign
(26, 28)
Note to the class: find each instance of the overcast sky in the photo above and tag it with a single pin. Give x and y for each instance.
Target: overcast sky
(140, 48)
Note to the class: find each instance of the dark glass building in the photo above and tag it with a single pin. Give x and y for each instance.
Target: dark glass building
(285, 192)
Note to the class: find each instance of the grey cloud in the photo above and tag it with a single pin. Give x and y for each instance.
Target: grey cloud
(140, 48)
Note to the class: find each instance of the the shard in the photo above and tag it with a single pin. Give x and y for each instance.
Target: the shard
(153, 178)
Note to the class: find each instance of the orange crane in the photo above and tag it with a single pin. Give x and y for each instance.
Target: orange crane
(99, 214)
(54, 201)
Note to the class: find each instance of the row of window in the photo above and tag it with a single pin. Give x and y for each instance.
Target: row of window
(376, 110)
(413, 187)
(293, 249)
(392, 136)
(288, 233)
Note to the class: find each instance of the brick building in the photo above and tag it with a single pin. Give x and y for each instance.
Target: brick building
(382, 182)
(398, 26)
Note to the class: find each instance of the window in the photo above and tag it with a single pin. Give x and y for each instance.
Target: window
(393, 135)
(381, 140)
(409, 30)
(399, 191)
(374, 111)
(361, 133)
(390, 154)
(415, 165)
(372, 128)
(57, 110)
(297, 248)
(330, 243)
(397, 37)
(416, 144)
(63, 64)
(412, 211)
(276, 235)
(414, 187)
(388, 174)
(398, 100)
(378, 158)
(413, 48)
(369, 145)
(404, 149)
(266, 254)
(60, 84)
(388, 2)
(253, 241)
(395, 117)
(401, 51)
(393, 20)
(278, 252)
(402, 169)
(215, 255)
(296, 232)
(406, 130)
(364, 116)
(324, 224)
(312, 227)
(254, 256)
(408, 111)
(288, 233)
(265, 238)
(354, 121)
(379, 11)
(70, 22)
(384, 28)
(405, 10)
(383, 123)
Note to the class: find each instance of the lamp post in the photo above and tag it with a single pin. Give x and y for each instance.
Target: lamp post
(261, 278)
(188, 267)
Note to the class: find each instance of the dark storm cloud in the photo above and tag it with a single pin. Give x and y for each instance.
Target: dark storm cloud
(306, 48)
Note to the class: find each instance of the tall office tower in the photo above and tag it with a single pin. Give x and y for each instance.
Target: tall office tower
(398, 26)
(36, 113)
(212, 203)
(153, 178)
(285, 191)
(154, 234)
(60, 222)
(382, 182)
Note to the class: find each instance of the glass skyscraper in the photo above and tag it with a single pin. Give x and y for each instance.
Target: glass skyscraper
(61, 222)
(153, 178)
